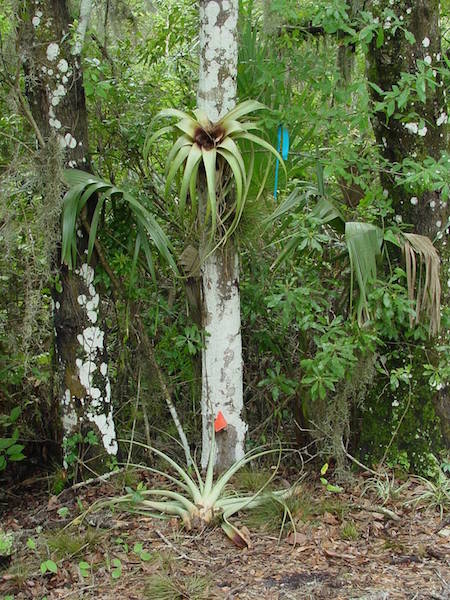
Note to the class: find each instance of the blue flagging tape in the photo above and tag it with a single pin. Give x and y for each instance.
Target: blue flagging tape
(283, 146)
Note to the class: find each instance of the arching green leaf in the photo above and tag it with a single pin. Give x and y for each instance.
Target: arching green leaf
(175, 166)
(244, 108)
(190, 171)
(209, 160)
(179, 143)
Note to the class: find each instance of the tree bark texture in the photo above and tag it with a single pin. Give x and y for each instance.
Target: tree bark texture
(222, 388)
(54, 90)
(420, 130)
(402, 136)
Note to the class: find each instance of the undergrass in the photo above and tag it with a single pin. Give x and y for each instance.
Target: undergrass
(349, 531)
(67, 544)
(273, 514)
(171, 587)
(334, 506)
(251, 480)
(20, 571)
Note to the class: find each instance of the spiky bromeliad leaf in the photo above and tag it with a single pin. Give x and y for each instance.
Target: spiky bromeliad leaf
(82, 186)
(197, 500)
(201, 144)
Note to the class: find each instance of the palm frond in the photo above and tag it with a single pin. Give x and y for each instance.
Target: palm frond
(364, 243)
(82, 187)
(424, 288)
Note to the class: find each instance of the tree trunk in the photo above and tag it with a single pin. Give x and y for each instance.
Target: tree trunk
(222, 388)
(401, 138)
(54, 90)
(414, 137)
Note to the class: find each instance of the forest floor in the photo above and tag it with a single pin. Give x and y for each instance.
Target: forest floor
(347, 546)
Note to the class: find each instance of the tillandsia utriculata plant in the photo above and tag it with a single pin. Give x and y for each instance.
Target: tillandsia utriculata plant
(212, 150)
(201, 501)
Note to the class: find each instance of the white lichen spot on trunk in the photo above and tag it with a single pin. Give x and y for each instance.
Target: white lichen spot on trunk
(92, 370)
(69, 418)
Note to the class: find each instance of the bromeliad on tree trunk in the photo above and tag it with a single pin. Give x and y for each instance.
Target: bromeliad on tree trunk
(212, 150)
(216, 180)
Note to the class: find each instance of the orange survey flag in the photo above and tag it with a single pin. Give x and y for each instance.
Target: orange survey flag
(220, 422)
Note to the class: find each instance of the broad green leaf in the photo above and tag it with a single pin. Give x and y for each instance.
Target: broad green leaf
(6, 443)
(187, 126)
(141, 240)
(15, 414)
(94, 225)
(75, 177)
(202, 117)
(15, 449)
(410, 37)
(69, 220)
(364, 246)
(260, 142)
(240, 200)
(327, 212)
(183, 140)
(230, 146)
(233, 127)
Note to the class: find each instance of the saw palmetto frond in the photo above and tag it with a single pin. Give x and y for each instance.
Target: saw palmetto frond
(82, 187)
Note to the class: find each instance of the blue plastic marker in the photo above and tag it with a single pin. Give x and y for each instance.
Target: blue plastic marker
(283, 145)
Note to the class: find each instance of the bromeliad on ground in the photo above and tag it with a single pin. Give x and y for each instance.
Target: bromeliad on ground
(201, 501)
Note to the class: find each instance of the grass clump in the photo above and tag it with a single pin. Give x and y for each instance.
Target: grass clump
(334, 506)
(128, 478)
(169, 587)
(19, 572)
(66, 544)
(432, 495)
(385, 488)
(251, 480)
(349, 531)
(274, 514)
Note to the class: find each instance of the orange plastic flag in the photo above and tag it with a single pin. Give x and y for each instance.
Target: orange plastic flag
(220, 422)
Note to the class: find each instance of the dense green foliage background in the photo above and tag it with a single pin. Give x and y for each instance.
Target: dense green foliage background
(307, 360)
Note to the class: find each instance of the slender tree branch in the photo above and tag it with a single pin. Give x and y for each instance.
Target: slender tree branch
(142, 332)
(29, 117)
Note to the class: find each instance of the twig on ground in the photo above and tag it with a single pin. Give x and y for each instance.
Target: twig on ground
(356, 461)
(175, 549)
(396, 430)
(100, 478)
(378, 509)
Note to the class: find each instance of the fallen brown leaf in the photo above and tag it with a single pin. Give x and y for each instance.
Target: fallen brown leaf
(297, 537)
(329, 519)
